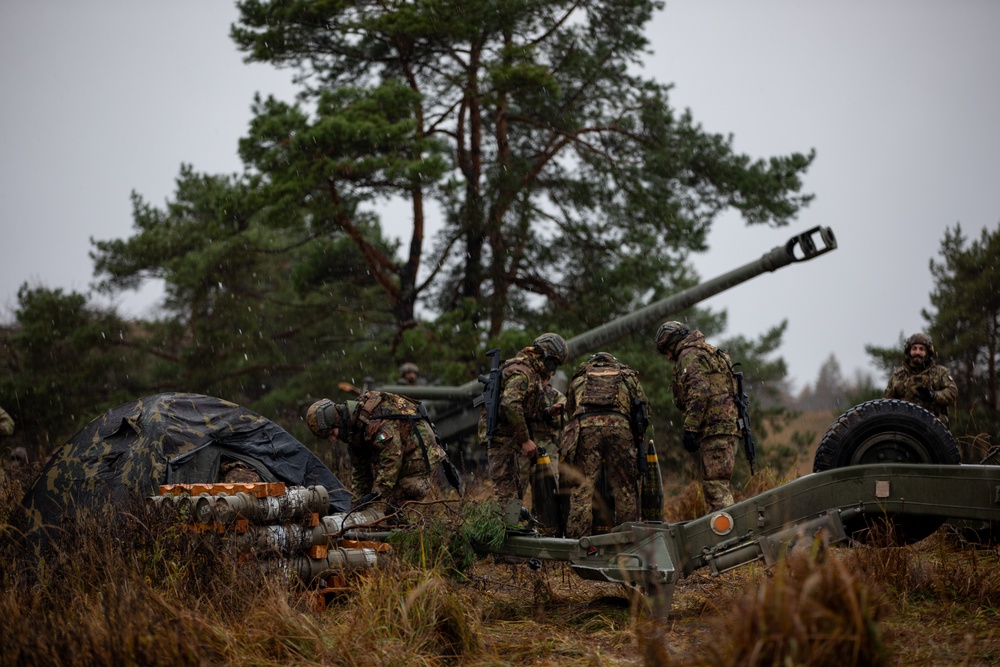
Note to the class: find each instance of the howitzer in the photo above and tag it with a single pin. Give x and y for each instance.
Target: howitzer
(451, 405)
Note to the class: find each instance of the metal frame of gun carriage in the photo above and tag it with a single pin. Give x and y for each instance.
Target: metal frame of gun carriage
(835, 506)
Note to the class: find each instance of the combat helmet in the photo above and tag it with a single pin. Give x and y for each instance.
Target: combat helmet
(323, 416)
(408, 367)
(552, 346)
(669, 334)
(602, 358)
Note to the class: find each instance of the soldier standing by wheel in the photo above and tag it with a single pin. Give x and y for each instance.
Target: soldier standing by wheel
(521, 399)
(601, 397)
(921, 381)
(394, 451)
(704, 390)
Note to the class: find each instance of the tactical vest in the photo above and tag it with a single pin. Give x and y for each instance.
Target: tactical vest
(600, 386)
(380, 405)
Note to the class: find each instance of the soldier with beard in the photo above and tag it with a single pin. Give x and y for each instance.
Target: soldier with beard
(921, 381)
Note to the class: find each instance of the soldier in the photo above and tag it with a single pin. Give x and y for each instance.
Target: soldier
(522, 404)
(601, 396)
(922, 382)
(6, 423)
(393, 448)
(704, 390)
(409, 374)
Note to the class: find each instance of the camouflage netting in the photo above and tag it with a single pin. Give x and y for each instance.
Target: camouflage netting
(172, 438)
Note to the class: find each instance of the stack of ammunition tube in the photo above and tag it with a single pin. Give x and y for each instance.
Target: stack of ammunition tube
(285, 528)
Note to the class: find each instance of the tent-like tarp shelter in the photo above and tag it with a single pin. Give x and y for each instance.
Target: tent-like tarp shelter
(168, 438)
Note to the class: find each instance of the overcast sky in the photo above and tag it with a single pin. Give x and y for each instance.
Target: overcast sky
(900, 99)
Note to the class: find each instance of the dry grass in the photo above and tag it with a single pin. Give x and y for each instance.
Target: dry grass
(121, 592)
(813, 612)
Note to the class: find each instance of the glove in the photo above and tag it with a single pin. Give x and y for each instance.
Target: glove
(925, 394)
(691, 441)
(367, 498)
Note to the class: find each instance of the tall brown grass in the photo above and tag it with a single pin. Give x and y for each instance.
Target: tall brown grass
(118, 589)
(811, 612)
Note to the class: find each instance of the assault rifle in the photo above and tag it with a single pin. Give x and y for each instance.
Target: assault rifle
(491, 395)
(743, 420)
(639, 421)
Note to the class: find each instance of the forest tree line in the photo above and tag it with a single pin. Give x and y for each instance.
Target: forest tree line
(558, 172)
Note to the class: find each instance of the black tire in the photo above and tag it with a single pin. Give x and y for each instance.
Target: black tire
(888, 431)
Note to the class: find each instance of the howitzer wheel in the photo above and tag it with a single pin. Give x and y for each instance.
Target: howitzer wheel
(888, 431)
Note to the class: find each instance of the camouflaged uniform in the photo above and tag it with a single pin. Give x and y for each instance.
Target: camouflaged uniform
(704, 389)
(911, 376)
(599, 433)
(6, 423)
(522, 406)
(392, 447)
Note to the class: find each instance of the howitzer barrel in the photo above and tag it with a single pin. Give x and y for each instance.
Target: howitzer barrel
(799, 248)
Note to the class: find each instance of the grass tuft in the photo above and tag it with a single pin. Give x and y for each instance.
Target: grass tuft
(811, 613)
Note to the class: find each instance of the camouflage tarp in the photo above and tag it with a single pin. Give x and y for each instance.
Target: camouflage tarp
(168, 439)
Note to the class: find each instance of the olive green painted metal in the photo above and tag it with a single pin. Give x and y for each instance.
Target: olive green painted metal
(462, 418)
(831, 505)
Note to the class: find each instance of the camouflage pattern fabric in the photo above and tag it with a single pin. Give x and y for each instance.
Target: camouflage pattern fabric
(6, 423)
(704, 389)
(384, 443)
(522, 404)
(599, 401)
(237, 472)
(908, 379)
(603, 440)
(717, 454)
(168, 438)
